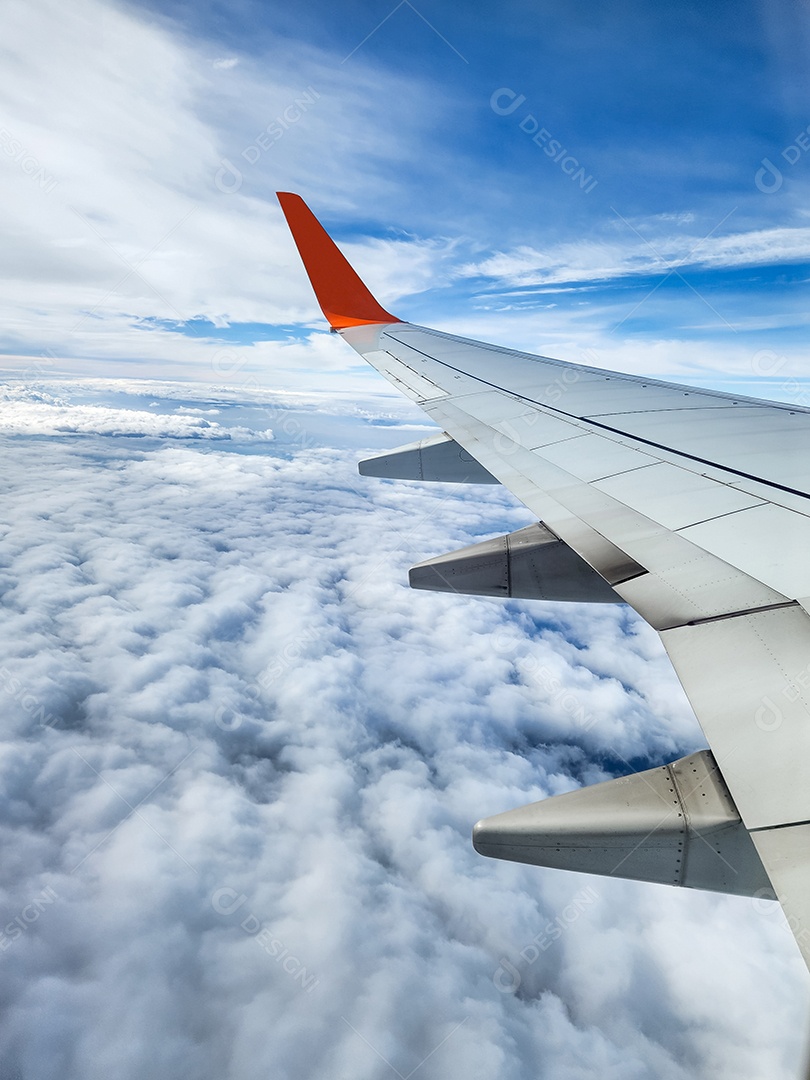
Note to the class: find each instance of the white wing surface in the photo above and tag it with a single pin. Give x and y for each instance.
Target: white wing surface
(694, 507)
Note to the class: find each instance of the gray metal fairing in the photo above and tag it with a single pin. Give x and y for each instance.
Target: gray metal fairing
(676, 825)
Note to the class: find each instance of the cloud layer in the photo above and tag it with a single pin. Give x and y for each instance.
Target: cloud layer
(23, 412)
(240, 764)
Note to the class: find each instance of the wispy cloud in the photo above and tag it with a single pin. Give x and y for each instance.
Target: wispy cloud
(587, 261)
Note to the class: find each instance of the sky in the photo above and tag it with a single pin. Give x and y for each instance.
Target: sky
(142, 145)
(240, 759)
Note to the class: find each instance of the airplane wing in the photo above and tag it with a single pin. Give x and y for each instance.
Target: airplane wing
(691, 506)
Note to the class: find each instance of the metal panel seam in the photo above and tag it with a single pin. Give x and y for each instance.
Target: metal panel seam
(608, 427)
(684, 841)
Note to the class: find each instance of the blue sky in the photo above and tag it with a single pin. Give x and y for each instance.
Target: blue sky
(652, 238)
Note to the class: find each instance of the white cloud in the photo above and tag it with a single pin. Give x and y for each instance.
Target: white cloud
(600, 260)
(33, 412)
(113, 140)
(226, 643)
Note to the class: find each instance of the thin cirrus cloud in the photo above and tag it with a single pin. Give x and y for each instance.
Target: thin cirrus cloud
(588, 261)
(240, 764)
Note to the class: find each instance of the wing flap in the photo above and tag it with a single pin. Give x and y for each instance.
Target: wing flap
(748, 679)
(784, 852)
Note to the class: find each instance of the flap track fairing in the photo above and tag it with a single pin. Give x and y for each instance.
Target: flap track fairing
(438, 459)
(530, 564)
(676, 825)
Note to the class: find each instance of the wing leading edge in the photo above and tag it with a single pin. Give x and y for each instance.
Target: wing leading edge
(694, 507)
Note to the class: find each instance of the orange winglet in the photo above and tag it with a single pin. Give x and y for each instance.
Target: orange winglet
(344, 299)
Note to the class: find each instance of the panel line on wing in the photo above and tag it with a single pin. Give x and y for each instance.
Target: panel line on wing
(781, 825)
(712, 517)
(744, 611)
(678, 409)
(616, 431)
(609, 376)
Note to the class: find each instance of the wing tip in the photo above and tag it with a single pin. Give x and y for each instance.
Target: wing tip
(343, 297)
